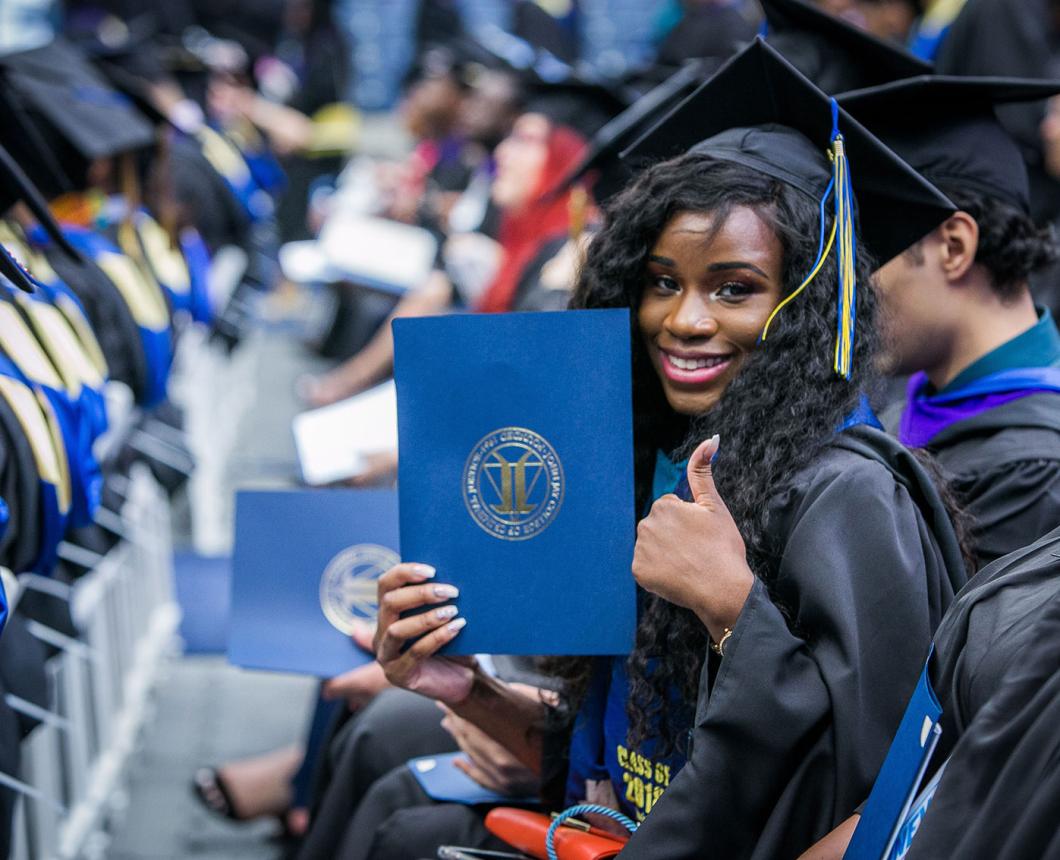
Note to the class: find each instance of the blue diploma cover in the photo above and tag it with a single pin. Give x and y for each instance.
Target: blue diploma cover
(441, 780)
(304, 568)
(516, 475)
(896, 785)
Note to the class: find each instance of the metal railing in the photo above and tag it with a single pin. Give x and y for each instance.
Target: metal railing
(72, 783)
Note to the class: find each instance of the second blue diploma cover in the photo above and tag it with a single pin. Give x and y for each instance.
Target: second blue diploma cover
(304, 570)
(516, 475)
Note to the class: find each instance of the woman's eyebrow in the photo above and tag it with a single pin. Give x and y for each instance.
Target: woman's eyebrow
(662, 261)
(725, 267)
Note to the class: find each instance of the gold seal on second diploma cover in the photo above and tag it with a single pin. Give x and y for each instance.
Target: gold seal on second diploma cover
(347, 586)
(513, 483)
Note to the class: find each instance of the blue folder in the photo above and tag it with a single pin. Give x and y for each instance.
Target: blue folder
(900, 776)
(516, 475)
(915, 817)
(303, 569)
(442, 781)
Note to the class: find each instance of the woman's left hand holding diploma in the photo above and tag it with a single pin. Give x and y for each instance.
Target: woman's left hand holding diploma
(692, 554)
(417, 667)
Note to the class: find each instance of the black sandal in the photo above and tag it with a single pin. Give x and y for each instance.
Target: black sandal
(212, 793)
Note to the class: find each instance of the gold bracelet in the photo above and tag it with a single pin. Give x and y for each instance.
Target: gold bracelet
(719, 646)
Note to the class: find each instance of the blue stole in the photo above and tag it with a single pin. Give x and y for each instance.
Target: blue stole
(157, 342)
(54, 515)
(93, 401)
(197, 256)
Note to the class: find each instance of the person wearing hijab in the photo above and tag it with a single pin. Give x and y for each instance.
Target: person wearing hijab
(984, 397)
(794, 559)
(534, 227)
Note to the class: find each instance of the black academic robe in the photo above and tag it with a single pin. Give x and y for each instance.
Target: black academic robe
(110, 317)
(793, 723)
(997, 673)
(10, 760)
(20, 490)
(993, 621)
(1005, 469)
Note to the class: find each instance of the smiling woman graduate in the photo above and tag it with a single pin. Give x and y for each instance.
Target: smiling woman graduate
(794, 570)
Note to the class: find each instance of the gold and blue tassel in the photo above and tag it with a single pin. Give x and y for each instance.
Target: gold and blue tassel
(841, 237)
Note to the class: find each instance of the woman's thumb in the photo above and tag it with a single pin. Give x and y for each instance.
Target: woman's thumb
(700, 472)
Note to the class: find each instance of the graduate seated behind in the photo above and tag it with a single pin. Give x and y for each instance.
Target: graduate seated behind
(994, 670)
(786, 605)
(985, 394)
(537, 261)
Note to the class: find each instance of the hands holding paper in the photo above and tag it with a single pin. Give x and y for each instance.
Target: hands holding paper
(417, 668)
(692, 554)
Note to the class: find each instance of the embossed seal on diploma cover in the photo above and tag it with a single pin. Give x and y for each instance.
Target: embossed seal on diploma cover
(513, 483)
(347, 586)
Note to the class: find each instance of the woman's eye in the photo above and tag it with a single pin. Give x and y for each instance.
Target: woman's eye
(665, 283)
(734, 290)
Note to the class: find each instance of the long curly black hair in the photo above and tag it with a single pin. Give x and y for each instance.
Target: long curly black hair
(777, 414)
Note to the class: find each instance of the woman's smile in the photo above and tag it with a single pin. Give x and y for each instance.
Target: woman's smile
(709, 290)
(689, 368)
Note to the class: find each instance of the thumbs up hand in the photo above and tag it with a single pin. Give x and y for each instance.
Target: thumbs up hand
(691, 553)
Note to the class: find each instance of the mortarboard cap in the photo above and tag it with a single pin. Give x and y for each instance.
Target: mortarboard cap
(946, 128)
(15, 186)
(65, 115)
(761, 112)
(602, 156)
(581, 104)
(833, 53)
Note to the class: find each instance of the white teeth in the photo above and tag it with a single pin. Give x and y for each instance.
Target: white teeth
(694, 363)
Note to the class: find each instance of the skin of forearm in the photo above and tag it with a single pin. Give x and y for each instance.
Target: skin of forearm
(375, 361)
(295, 127)
(510, 718)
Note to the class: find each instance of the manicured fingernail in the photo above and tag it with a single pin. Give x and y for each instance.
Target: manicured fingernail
(425, 570)
(454, 626)
(446, 591)
(716, 439)
(445, 612)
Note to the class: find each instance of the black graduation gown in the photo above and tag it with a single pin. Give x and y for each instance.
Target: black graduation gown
(993, 621)
(997, 673)
(20, 489)
(1005, 468)
(111, 320)
(10, 760)
(791, 727)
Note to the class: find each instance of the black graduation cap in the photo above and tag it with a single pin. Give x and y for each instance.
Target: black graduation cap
(15, 186)
(63, 115)
(760, 111)
(582, 104)
(605, 146)
(945, 127)
(833, 53)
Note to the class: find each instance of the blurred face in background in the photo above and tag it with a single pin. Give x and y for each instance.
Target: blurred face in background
(888, 19)
(490, 108)
(521, 159)
(431, 107)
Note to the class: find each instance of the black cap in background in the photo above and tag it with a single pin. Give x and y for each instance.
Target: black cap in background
(834, 54)
(946, 128)
(583, 105)
(602, 157)
(62, 114)
(760, 111)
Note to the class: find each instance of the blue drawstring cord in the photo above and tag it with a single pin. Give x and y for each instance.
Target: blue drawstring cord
(583, 809)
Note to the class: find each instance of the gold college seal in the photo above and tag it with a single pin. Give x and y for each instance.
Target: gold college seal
(513, 483)
(347, 587)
